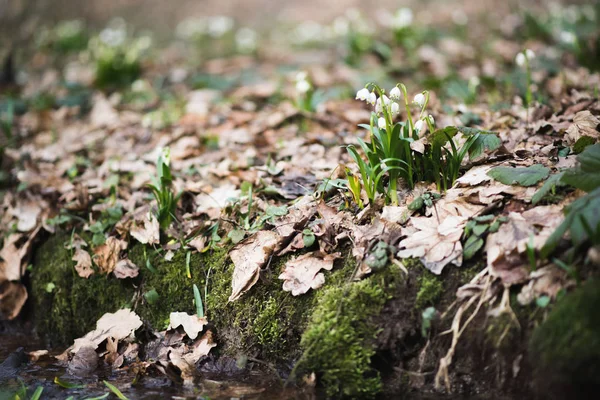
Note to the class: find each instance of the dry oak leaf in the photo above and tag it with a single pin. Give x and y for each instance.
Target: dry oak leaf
(248, 258)
(192, 324)
(584, 124)
(146, 230)
(125, 268)
(119, 325)
(435, 244)
(12, 255)
(27, 212)
(303, 273)
(106, 256)
(186, 360)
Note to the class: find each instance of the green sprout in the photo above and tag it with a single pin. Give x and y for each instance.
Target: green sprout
(162, 188)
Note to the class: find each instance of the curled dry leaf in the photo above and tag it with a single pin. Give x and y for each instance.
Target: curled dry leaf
(192, 324)
(584, 124)
(303, 273)
(544, 281)
(248, 258)
(119, 326)
(146, 230)
(84, 263)
(106, 256)
(12, 298)
(435, 244)
(186, 357)
(126, 269)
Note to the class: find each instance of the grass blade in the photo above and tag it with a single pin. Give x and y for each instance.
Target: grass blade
(115, 390)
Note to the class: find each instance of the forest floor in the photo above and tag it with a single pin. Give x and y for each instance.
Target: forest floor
(385, 184)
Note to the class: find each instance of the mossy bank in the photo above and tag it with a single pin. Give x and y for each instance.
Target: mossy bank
(331, 331)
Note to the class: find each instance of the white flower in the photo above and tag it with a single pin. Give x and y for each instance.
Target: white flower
(381, 123)
(568, 37)
(520, 59)
(383, 100)
(219, 25)
(363, 94)
(530, 54)
(301, 76)
(303, 86)
(246, 40)
(372, 98)
(395, 93)
(419, 100)
(419, 125)
(395, 108)
(474, 81)
(403, 18)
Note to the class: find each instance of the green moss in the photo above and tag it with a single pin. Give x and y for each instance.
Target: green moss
(566, 347)
(74, 305)
(430, 289)
(340, 338)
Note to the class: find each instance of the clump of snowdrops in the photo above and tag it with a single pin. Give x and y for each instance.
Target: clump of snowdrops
(406, 152)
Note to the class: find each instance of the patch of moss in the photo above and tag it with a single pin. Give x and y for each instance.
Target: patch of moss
(74, 305)
(431, 288)
(565, 349)
(340, 338)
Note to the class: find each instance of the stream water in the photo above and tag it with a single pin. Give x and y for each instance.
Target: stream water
(17, 371)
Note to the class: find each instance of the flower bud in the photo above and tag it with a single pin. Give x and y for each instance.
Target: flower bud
(419, 125)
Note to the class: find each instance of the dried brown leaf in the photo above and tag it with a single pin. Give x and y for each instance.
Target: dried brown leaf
(248, 258)
(303, 273)
(126, 269)
(192, 324)
(106, 256)
(84, 263)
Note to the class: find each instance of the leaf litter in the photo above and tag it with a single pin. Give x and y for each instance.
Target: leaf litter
(103, 161)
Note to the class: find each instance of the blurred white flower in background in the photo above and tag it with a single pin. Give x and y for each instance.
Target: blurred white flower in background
(115, 33)
(567, 37)
(403, 18)
(395, 93)
(459, 17)
(419, 99)
(246, 40)
(219, 25)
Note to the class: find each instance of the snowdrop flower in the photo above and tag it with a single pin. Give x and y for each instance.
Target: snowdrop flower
(419, 100)
(301, 76)
(363, 94)
(246, 40)
(395, 108)
(520, 59)
(303, 86)
(419, 125)
(372, 98)
(403, 18)
(381, 123)
(395, 93)
(529, 54)
(382, 101)
(219, 25)
(568, 37)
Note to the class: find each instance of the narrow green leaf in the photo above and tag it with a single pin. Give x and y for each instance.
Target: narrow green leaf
(37, 395)
(552, 182)
(67, 385)
(115, 390)
(198, 302)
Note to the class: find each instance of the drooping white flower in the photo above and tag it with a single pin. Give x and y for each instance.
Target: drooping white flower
(419, 100)
(395, 93)
(530, 54)
(474, 81)
(568, 37)
(395, 108)
(520, 59)
(381, 123)
(219, 25)
(419, 125)
(303, 86)
(363, 94)
(403, 18)
(378, 106)
(301, 76)
(372, 98)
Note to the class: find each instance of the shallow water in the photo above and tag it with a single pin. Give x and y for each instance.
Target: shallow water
(43, 371)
